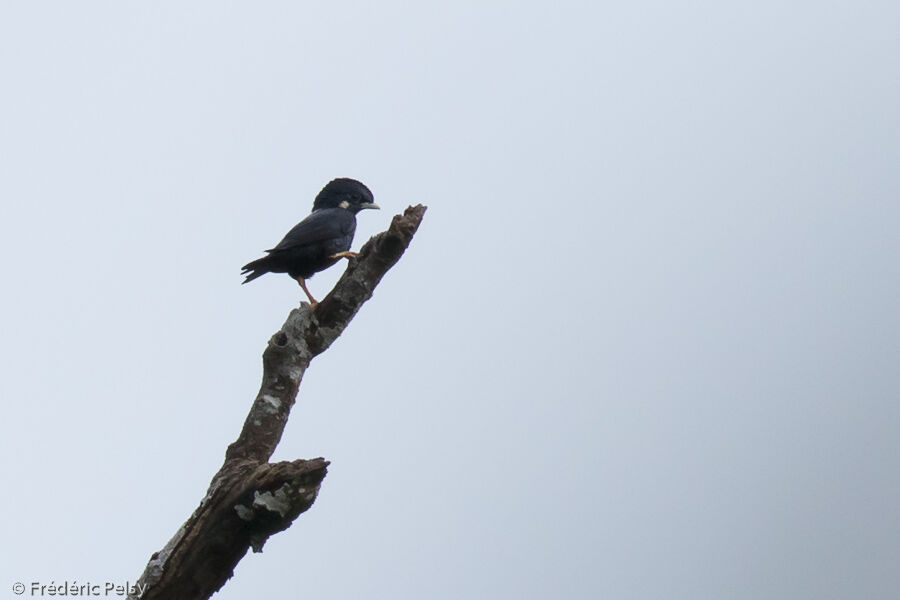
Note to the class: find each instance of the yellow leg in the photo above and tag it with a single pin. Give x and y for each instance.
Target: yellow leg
(312, 301)
(345, 254)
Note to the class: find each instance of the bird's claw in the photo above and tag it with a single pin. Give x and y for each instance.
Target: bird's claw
(345, 254)
(312, 301)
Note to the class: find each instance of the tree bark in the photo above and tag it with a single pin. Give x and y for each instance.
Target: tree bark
(249, 499)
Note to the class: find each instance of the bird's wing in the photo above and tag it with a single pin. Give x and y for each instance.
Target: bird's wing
(320, 226)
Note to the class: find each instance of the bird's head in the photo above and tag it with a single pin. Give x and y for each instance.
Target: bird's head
(345, 193)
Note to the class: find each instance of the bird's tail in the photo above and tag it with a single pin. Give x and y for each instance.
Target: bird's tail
(254, 269)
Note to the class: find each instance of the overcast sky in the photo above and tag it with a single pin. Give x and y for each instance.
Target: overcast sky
(645, 344)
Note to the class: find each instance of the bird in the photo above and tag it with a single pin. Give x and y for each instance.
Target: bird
(321, 239)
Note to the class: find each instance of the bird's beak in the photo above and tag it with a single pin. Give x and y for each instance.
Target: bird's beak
(369, 205)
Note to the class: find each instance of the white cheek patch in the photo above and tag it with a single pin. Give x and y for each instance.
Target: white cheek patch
(344, 204)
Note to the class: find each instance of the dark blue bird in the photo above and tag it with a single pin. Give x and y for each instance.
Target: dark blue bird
(319, 240)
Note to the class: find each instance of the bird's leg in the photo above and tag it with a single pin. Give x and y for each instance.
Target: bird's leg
(345, 254)
(312, 301)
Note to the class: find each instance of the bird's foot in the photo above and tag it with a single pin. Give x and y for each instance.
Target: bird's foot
(312, 301)
(345, 254)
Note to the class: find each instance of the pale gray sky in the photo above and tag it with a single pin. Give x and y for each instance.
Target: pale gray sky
(645, 344)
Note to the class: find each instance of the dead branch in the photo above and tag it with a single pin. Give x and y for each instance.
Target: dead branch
(249, 499)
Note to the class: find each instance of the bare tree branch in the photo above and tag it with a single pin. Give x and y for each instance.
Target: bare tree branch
(249, 499)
